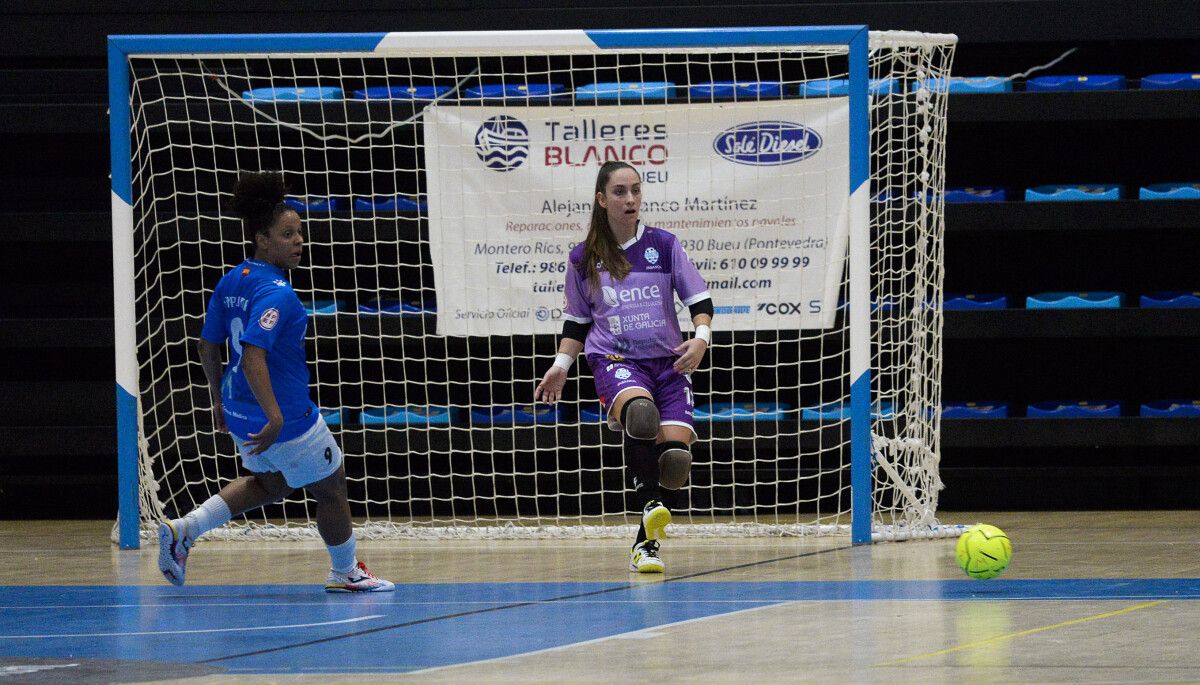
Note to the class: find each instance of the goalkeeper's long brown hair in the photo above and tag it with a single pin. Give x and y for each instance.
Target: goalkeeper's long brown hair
(601, 245)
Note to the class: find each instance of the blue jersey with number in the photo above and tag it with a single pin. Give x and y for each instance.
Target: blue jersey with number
(255, 305)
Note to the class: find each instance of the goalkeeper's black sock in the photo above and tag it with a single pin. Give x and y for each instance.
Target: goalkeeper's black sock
(669, 498)
(641, 458)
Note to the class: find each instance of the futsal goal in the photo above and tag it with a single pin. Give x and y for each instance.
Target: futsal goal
(443, 177)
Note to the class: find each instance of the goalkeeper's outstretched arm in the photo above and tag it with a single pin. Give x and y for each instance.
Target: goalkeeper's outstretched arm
(551, 387)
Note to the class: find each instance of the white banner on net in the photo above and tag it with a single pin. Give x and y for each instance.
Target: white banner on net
(757, 192)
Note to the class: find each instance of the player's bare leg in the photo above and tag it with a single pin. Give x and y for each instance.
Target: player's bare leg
(176, 537)
(346, 572)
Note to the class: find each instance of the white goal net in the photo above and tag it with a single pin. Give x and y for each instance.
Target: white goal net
(440, 188)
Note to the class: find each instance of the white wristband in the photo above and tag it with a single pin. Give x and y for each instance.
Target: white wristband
(704, 333)
(563, 361)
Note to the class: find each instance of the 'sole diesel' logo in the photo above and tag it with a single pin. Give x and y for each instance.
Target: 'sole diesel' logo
(767, 143)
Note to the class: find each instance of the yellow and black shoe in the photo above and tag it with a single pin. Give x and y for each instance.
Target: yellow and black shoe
(644, 557)
(655, 518)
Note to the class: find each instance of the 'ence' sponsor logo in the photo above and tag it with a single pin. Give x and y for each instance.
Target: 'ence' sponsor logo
(767, 143)
(613, 297)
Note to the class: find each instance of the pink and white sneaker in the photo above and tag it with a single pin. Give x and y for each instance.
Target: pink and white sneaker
(173, 548)
(359, 579)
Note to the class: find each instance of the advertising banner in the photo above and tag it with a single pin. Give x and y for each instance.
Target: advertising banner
(756, 192)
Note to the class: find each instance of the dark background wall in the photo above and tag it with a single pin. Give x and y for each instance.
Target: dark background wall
(57, 441)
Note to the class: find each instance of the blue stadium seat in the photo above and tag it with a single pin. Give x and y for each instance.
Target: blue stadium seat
(333, 417)
(974, 301)
(968, 84)
(832, 87)
(1175, 299)
(523, 415)
(1086, 409)
(413, 415)
(975, 410)
(1075, 300)
(976, 194)
(626, 91)
(313, 204)
(515, 91)
(1076, 82)
(296, 94)
(324, 307)
(743, 411)
(738, 89)
(393, 306)
(1176, 81)
(887, 304)
(592, 412)
(391, 203)
(1079, 192)
(415, 93)
(1171, 409)
(836, 411)
(1170, 191)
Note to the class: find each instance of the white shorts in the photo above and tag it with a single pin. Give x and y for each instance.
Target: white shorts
(303, 460)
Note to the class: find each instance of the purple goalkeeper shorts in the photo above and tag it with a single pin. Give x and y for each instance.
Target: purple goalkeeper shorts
(671, 390)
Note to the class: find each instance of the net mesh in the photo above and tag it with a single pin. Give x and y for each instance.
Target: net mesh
(194, 130)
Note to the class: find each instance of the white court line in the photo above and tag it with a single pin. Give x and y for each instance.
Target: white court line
(191, 632)
(637, 634)
(626, 635)
(759, 600)
(497, 603)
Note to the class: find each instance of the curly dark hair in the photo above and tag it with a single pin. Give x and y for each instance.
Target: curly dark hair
(258, 201)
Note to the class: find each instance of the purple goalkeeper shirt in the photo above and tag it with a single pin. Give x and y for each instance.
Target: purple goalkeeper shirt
(636, 317)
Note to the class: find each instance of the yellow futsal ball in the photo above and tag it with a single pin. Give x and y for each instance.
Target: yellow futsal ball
(983, 551)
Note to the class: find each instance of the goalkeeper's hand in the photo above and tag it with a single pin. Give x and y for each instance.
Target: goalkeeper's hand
(691, 353)
(551, 387)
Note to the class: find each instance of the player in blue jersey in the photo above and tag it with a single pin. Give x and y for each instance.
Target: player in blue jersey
(620, 291)
(261, 397)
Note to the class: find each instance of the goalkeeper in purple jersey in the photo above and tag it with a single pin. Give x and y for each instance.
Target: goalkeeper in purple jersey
(620, 311)
(261, 397)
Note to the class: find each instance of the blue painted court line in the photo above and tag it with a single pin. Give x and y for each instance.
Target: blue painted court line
(300, 629)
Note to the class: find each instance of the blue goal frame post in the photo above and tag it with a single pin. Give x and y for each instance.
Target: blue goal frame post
(121, 48)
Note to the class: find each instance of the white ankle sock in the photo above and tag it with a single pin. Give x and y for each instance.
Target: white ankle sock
(341, 557)
(213, 513)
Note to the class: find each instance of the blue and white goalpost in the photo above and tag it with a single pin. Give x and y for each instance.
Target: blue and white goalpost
(443, 176)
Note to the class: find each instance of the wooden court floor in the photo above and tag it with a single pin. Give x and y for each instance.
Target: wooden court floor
(1104, 597)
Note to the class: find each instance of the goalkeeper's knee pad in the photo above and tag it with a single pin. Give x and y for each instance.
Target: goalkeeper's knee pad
(639, 418)
(674, 464)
